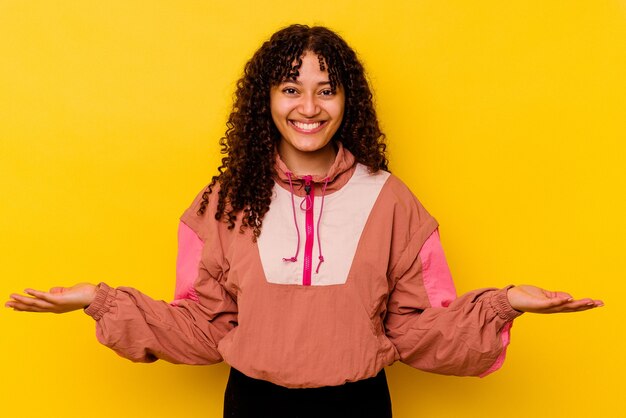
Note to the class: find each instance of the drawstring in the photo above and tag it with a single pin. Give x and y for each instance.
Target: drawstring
(295, 220)
(319, 218)
(307, 204)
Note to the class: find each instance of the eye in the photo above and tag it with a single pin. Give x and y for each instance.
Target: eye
(290, 90)
(327, 92)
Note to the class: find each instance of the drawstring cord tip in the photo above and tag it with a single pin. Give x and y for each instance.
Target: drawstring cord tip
(317, 270)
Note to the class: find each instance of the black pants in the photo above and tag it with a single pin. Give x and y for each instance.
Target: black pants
(246, 397)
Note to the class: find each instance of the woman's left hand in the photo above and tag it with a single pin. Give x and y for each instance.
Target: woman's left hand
(526, 298)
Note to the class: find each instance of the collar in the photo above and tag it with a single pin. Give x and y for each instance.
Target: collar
(338, 174)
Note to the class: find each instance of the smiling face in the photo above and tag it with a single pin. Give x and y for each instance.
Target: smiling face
(307, 113)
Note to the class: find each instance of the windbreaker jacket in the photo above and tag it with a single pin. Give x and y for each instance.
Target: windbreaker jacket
(348, 276)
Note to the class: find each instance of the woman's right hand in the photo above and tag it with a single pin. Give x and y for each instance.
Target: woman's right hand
(57, 300)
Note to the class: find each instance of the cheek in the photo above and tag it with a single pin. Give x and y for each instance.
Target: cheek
(341, 114)
(274, 116)
(337, 112)
(338, 108)
(274, 104)
(279, 110)
(279, 117)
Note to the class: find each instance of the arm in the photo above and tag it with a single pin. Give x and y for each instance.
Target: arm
(189, 255)
(142, 329)
(434, 331)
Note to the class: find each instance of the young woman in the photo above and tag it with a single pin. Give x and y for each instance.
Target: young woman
(304, 264)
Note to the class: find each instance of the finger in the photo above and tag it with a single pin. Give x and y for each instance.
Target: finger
(56, 290)
(32, 302)
(578, 305)
(21, 298)
(20, 307)
(555, 302)
(585, 301)
(41, 295)
(564, 295)
(593, 302)
(579, 309)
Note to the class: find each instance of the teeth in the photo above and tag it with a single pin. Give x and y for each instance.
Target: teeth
(307, 126)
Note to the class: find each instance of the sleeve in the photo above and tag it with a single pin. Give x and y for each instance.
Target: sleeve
(435, 331)
(189, 254)
(187, 330)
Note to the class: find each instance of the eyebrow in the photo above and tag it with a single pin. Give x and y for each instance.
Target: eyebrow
(296, 81)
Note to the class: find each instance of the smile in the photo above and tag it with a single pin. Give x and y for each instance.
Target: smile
(307, 127)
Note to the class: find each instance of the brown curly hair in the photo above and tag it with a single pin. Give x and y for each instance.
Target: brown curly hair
(246, 173)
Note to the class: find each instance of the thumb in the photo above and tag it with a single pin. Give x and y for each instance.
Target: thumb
(555, 295)
(558, 300)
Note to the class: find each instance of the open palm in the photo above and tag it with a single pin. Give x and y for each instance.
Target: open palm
(57, 300)
(528, 298)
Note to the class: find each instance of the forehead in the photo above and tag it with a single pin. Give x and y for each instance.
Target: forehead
(311, 66)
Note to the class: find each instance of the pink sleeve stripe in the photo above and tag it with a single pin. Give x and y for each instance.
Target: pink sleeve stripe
(506, 339)
(187, 262)
(436, 273)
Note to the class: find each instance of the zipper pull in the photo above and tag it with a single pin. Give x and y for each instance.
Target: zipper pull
(307, 184)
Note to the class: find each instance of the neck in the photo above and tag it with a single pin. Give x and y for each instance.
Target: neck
(314, 163)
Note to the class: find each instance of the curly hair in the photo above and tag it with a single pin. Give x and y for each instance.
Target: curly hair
(249, 144)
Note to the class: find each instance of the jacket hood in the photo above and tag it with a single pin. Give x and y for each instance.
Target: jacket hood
(338, 174)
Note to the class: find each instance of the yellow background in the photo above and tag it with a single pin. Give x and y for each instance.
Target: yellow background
(507, 119)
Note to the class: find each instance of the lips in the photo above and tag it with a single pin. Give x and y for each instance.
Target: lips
(307, 127)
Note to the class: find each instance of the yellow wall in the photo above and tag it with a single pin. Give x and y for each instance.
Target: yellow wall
(505, 118)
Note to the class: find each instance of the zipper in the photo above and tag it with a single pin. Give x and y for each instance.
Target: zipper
(309, 233)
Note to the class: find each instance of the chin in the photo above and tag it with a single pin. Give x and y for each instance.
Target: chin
(310, 146)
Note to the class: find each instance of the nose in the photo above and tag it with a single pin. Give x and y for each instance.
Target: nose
(308, 106)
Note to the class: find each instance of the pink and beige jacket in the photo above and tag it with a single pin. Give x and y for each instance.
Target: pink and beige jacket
(347, 277)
